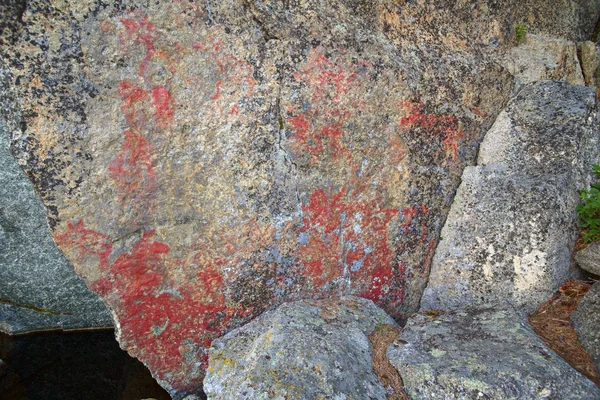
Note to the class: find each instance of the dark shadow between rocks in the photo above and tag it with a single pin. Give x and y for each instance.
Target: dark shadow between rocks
(72, 365)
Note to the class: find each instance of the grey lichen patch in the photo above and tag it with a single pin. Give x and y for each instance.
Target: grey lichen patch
(478, 353)
(309, 350)
(511, 228)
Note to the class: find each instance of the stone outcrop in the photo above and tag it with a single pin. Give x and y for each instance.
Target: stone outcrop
(38, 288)
(589, 258)
(201, 162)
(586, 321)
(482, 353)
(510, 233)
(302, 350)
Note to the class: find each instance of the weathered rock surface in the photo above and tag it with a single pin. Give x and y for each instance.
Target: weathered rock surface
(301, 350)
(38, 288)
(586, 321)
(541, 58)
(510, 233)
(478, 353)
(589, 258)
(588, 56)
(203, 161)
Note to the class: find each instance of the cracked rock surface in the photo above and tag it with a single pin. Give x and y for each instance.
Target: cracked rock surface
(510, 233)
(203, 161)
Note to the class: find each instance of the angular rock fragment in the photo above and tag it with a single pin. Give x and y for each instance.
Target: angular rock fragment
(479, 353)
(511, 229)
(588, 56)
(548, 128)
(301, 350)
(586, 321)
(541, 58)
(589, 258)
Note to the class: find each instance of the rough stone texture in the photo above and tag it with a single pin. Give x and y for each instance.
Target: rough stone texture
(510, 232)
(301, 350)
(482, 354)
(589, 258)
(588, 56)
(38, 288)
(586, 321)
(541, 57)
(203, 161)
(549, 128)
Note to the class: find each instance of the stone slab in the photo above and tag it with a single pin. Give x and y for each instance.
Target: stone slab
(479, 353)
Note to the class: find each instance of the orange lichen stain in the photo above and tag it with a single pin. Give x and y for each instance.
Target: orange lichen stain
(479, 113)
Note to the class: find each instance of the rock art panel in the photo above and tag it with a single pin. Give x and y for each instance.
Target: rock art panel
(203, 162)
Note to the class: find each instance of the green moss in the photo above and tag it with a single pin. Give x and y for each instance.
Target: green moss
(520, 32)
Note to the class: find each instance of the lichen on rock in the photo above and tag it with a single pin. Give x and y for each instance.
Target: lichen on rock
(202, 162)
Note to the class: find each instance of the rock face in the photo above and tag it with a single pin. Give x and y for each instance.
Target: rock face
(203, 161)
(302, 350)
(544, 58)
(589, 258)
(509, 235)
(38, 288)
(472, 354)
(586, 321)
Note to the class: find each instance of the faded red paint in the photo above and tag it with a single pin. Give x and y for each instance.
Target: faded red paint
(348, 238)
(141, 30)
(319, 129)
(231, 70)
(446, 129)
(134, 101)
(173, 322)
(328, 79)
(132, 168)
(85, 243)
(162, 101)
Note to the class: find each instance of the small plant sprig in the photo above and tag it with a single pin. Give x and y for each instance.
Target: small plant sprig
(520, 32)
(589, 210)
